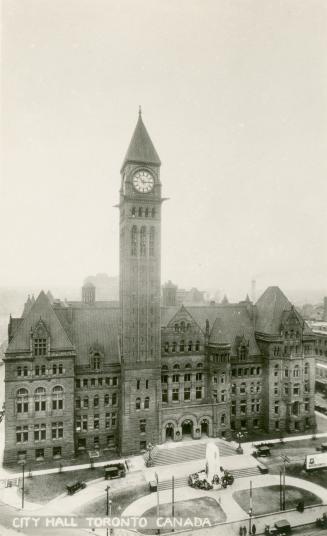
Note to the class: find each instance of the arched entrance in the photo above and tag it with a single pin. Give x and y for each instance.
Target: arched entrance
(187, 428)
(169, 436)
(205, 427)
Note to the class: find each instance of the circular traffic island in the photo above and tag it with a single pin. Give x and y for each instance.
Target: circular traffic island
(266, 500)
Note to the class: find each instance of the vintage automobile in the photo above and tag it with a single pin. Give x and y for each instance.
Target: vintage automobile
(321, 522)
(76, 486)
(280, 528)
(117, 470)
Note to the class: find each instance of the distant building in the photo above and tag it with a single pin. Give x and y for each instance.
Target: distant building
(319, 330)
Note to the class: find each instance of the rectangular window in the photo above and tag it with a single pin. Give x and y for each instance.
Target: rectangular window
(276, 389)
(306, 405)
(60, 372)
(276, 408)
(296, 389)
(233, 388)
(56, 452)
(243, 407)
(233, 373)
(85, 382)
(165, 395)
(142, 426)
(21, 434)
(187, 393)
(96, 422)
(39, 455)
(164, 379)
(187, 377)
(114, 399)
(223, 396)
(40, 346)
(138, 384)
(84, 422)
(78, 384)
(175, 395)
(199, 376)
(57, 430)
(175, 378)
(233, 407)
(113, 419)
(198, 393)
(37, 371)
(92, 382)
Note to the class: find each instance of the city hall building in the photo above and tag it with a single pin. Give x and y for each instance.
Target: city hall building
(95, 375)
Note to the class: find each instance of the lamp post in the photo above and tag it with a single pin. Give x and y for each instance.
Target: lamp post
(158, 504)
(239, 436)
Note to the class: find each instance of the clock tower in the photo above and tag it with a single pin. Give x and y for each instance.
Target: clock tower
(140, 287)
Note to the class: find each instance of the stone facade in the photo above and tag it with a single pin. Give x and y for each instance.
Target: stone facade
(95, 375)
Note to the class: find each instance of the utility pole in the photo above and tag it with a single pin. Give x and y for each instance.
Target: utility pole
(23, 487)
(108, 507)
(173, 500)
(285, 460)
(250, 509)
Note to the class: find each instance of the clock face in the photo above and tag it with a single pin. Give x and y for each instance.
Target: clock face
(143, 181)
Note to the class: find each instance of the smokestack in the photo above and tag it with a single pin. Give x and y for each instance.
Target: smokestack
(253, 290)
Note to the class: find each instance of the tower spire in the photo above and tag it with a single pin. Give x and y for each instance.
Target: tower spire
(141, 149)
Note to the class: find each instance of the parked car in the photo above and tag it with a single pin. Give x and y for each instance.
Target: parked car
(76, 486)
(321, 522)
(117, 470)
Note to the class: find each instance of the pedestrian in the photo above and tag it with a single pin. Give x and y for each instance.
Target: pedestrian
(241, 531)
(244, 531)
(254, 529)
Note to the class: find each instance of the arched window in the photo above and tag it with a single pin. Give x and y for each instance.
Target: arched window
(86, 402)
(286, 372)
(190, 346)
(40, 399)
(146, 212)
(176, 366)
(176, 327)
(164, 367)
(57, 397)
(143, 242)
(188, 365)
(96, 401)
(151, 242)
(153, 212)
(146, 402)
(183, 326)
(140, 212)
(296, 371)
(134, 241)
(197, 346)
(174, 346)
(133, 212)
(22, 401)
(138, 403)
(199, 365)
(306, 368)
(106, 400)
(182, 345)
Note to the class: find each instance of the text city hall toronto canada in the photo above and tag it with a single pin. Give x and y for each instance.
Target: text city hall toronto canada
(115, 377)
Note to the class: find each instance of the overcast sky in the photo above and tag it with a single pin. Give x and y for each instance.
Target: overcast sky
(234, 97)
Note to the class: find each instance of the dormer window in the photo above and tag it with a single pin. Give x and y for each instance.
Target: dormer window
(40, 347)
(96, 361)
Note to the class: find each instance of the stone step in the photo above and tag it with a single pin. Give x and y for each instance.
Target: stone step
(182, 454)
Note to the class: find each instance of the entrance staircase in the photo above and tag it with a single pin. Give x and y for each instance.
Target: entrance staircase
(186, 453)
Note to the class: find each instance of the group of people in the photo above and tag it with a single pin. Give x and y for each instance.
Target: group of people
(244, 531)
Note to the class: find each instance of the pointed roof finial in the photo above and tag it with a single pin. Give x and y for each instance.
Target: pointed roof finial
(140, 110)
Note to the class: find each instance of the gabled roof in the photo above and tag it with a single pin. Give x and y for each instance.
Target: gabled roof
(89, 327)
(141, 149)
(43, 310)
(232, 326)
(270, 308)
